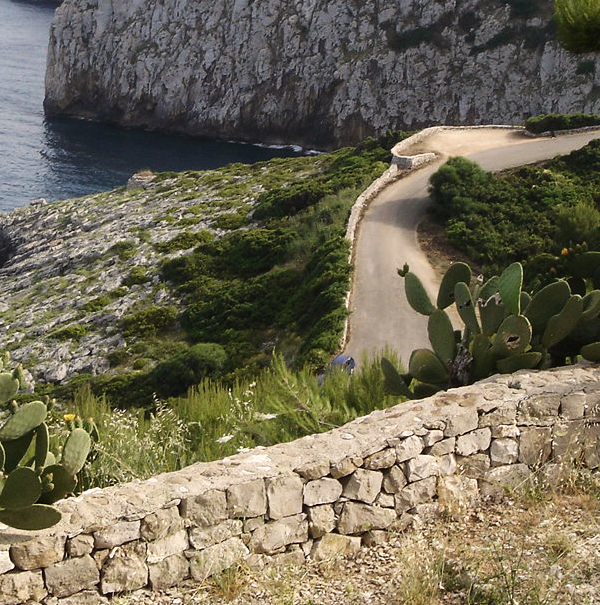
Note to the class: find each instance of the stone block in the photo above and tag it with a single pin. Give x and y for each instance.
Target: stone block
(416, 493)
(160, 549)
(203, 537)
(168, 572)
(357, 518)
(6, 563)
(345, 467)
(284, 496)
(535, 445)
(253, 523)
(117, 534)
(41, 552)
(409, 448)
(293, 558)
(322, 491)
(457, 494)
(591, 450)
(375, 538)
(205, 510)
(380, 460)
(542, 406)
(85, 597)
(505, 431)
(21, 587)
(568, 441)
(394, 480)
(72, 575)
(503, 412)
(473, 466)
(247, 499)
(432, 437)
(573, 406)
(125, 569)
(503, 480)
(160, 524)
(385, 500)
(447, 465)
(275, 536)
(80, 545)
(473, 442)
(441, 448)
(313, 470)
(363, 485)
(217, 558)
(421, 467)
(332, 546)
(504, 451)
(461, 422)
(321, 520)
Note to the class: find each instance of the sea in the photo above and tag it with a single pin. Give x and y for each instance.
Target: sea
(67, 158)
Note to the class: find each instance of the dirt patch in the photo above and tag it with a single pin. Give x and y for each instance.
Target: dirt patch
(439, 251)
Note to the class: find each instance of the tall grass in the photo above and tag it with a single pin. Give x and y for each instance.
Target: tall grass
(215, 420)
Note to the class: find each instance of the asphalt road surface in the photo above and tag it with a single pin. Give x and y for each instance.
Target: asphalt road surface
(381, 318)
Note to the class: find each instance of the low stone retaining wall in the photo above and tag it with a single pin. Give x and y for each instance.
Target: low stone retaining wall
(317, 497)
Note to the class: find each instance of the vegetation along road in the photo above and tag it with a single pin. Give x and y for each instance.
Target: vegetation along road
(387, 238)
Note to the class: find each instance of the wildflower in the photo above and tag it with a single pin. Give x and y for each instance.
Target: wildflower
(224, 438)
(564, 252)
(69, 417)
(260, 416)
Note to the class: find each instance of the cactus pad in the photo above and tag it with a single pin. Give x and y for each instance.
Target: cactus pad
(22, 488)
(546, 303)
(393, 382)
(441, 335)
(25, 419)
(457, 272)
(591, 352)
(75, 451)
(559, 326)
(509, 287)
(416, 294)
(465, 306)
(9, 386)
(32, 518)
(426, 367)
(523, 361)
(513, 336)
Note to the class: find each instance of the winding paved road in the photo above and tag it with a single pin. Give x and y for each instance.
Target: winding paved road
(380, 315)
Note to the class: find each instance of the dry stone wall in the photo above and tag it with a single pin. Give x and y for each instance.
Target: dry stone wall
(318, 497)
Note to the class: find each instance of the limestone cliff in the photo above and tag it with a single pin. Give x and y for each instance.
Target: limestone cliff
(312, 72)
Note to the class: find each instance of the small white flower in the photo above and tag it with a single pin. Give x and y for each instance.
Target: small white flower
(224, 438)
(243, 450)
(260, 416)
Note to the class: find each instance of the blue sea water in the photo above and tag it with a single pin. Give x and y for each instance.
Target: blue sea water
(64, 158)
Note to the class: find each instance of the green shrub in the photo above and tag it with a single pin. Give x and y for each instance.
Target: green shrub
(553, 121)
(175, 375)
(137, 275)
(72, 332)
(125, 250)
(148, 321)
(184, 241)
(231, 220)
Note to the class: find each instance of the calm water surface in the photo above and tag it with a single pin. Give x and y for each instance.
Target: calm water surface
(62, 159)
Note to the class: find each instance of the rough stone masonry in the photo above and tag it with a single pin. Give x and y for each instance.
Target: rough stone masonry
(317, 497)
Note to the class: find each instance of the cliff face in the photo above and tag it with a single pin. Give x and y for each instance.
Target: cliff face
(313, 72)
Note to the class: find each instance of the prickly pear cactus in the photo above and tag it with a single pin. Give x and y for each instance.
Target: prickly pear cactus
(505, 328)
(30, 478)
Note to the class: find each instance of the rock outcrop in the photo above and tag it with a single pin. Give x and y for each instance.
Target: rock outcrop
(314, 73)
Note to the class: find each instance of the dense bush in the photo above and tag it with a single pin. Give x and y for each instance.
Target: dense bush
(529, 214)
(554, 121)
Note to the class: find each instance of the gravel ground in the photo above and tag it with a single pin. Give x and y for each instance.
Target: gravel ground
(543, 549)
